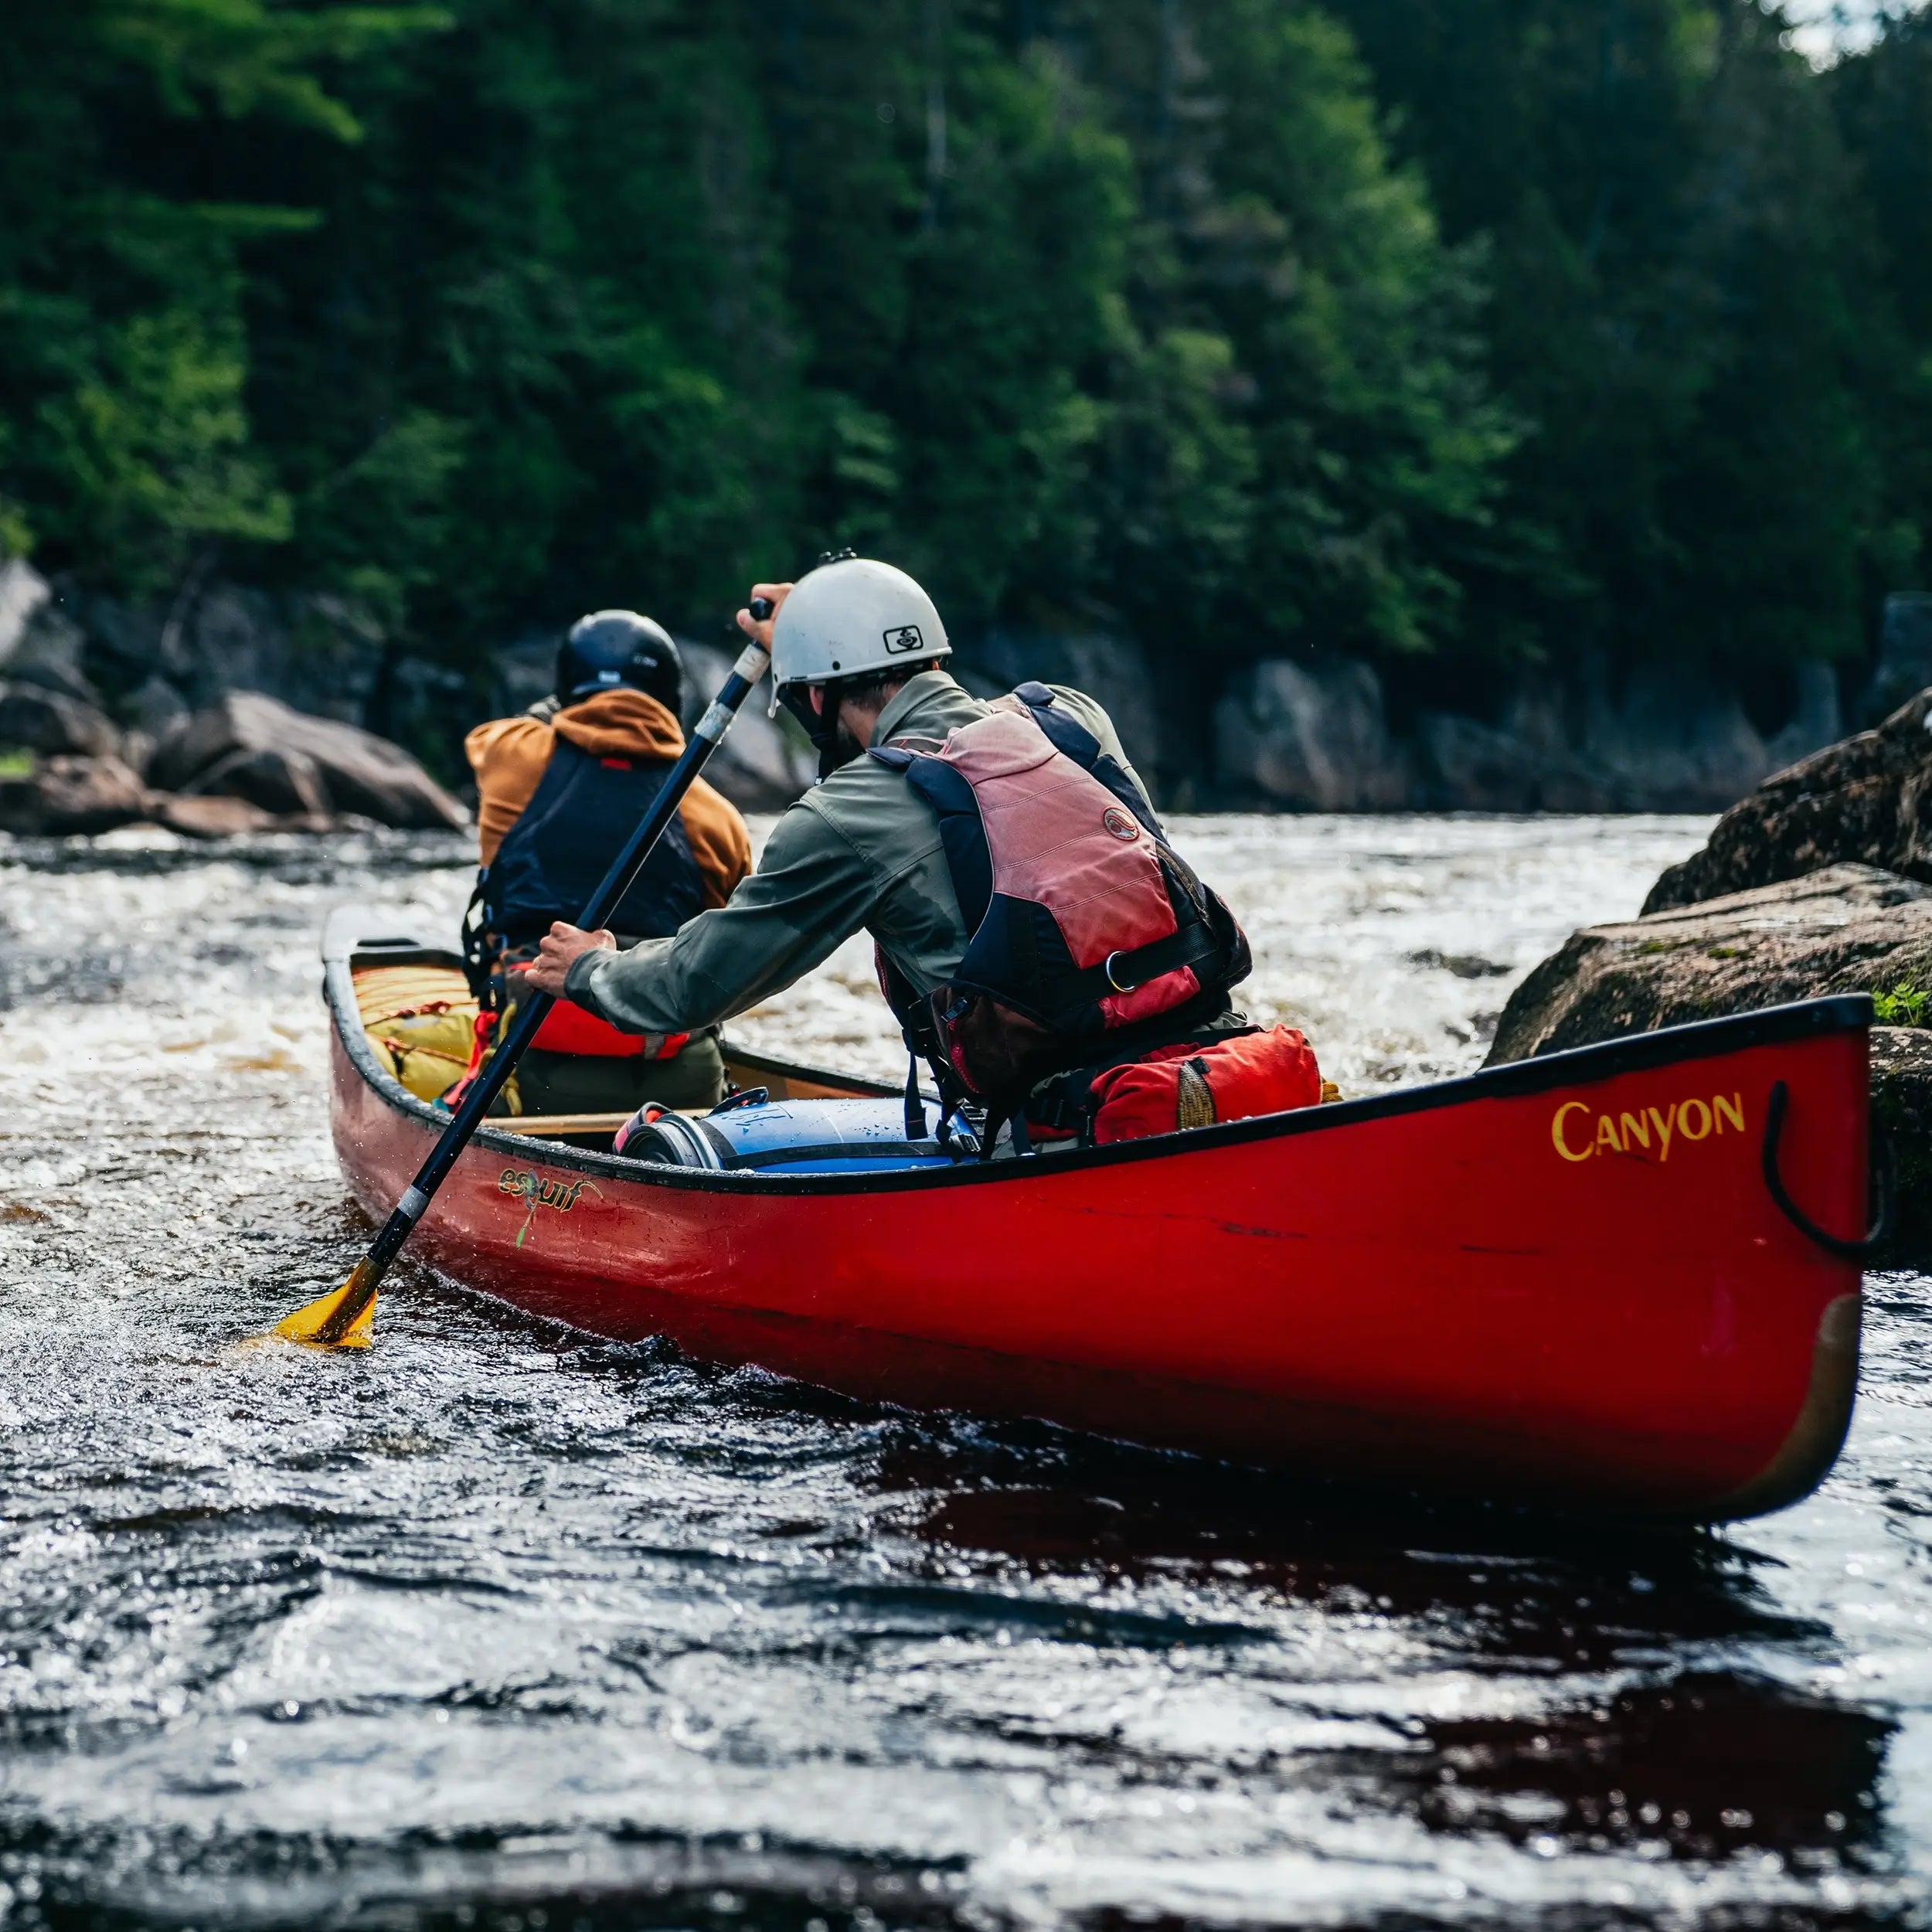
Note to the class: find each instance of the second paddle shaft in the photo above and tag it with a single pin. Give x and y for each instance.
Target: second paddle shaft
(750, 667)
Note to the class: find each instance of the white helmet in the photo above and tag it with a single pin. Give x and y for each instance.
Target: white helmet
(851, 617)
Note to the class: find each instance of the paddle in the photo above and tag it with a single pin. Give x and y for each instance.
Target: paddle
(345, 1317)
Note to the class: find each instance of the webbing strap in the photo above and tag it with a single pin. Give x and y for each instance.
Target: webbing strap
(915, 1105)
(1122, 972)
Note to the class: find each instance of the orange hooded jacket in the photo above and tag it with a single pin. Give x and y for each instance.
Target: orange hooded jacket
(510, 756)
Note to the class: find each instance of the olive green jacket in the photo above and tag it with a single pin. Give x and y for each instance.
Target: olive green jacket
(861, 849)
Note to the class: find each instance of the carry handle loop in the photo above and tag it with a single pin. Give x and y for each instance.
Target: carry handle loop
(1859, 1251)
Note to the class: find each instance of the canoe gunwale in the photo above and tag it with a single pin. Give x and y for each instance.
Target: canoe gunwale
(1718, 1404)
(1576, 1066)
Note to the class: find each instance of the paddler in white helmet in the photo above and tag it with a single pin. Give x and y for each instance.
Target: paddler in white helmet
(902, 837)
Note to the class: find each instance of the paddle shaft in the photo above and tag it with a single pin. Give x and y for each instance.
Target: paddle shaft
(604, 901)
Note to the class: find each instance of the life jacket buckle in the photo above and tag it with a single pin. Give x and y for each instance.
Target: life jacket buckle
(1107, 968)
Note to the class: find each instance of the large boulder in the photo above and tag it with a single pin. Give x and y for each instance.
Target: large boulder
(68, 794)
(1905, 654)
(320, 655)
(1902, 1110)
(1867, 799)
(222, 818)
(38, 719)
(1311, 739)
(24, 593)
(1846, 928)
(40, 643)
(275, 778)
(1525, 764)
(1679, 740)
(763, 765)
(252, 746)
(1115, 671)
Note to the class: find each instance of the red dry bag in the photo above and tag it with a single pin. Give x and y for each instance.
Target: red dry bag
(1233, 1079)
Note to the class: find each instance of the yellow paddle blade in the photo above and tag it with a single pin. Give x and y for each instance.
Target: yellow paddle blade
(335, 1320)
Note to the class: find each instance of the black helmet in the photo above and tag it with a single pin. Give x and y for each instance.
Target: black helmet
(610, 648)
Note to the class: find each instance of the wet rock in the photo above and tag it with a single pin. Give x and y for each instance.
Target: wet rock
(253, 747)
(1115, 671)
(1817, 721)
(155, 707)
(1463, 965)
(1902, 1110)
(51, 721)
(23, 593)
(1309, 739)
(761, 766)
(1846, 928)
(1523, 765)
(277, 779)
(320, 655)
(213, 818)
(1672, 742)
(40, 643)
(1867, 799)
(1905, 655)
(1317, 737)
(67, 794)
(138, 751)
(1677, 741)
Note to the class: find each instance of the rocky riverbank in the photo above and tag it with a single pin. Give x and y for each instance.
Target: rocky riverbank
(247, 763)
(1819, 881)
(235, 710)
(1318, 734)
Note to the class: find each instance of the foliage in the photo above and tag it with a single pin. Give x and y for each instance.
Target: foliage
(1455, 333)
(1901, 1005)
(1689, 306)
(123, 351)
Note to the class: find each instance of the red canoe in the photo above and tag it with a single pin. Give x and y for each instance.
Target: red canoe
(1566, 1281)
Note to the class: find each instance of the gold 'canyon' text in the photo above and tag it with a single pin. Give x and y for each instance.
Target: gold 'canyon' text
(1649, 1132)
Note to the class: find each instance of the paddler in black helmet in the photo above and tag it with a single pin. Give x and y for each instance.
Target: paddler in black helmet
(881, 844)
(559, 789)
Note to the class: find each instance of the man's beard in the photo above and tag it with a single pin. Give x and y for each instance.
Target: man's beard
(834, 743)
(839, 747)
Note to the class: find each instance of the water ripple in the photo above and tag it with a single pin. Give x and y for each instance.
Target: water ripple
(506, 1628)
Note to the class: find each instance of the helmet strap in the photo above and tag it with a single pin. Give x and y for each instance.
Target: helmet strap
(835, 746)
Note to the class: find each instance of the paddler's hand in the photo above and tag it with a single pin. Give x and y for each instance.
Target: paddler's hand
(562, 947)
(759, 630)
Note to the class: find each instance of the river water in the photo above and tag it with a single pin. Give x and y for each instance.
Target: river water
(502, 1627)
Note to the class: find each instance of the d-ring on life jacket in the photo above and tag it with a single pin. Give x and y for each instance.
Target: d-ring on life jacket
(1087, 926)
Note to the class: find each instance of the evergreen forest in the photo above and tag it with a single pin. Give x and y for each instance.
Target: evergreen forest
(1456, 334)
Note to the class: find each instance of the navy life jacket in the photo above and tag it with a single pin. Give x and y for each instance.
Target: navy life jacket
(1090, 935)
(556, 854)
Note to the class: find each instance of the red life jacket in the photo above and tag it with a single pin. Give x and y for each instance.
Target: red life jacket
(1087, 926)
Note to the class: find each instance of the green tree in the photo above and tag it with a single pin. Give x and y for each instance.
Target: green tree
(1683, 283)
(1452, 332)
(124, 355)
(960, 217)
(543, 304)
(1884, 102)
(1307, 454)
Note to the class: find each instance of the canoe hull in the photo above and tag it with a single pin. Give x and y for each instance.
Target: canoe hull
(1571, 1289)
